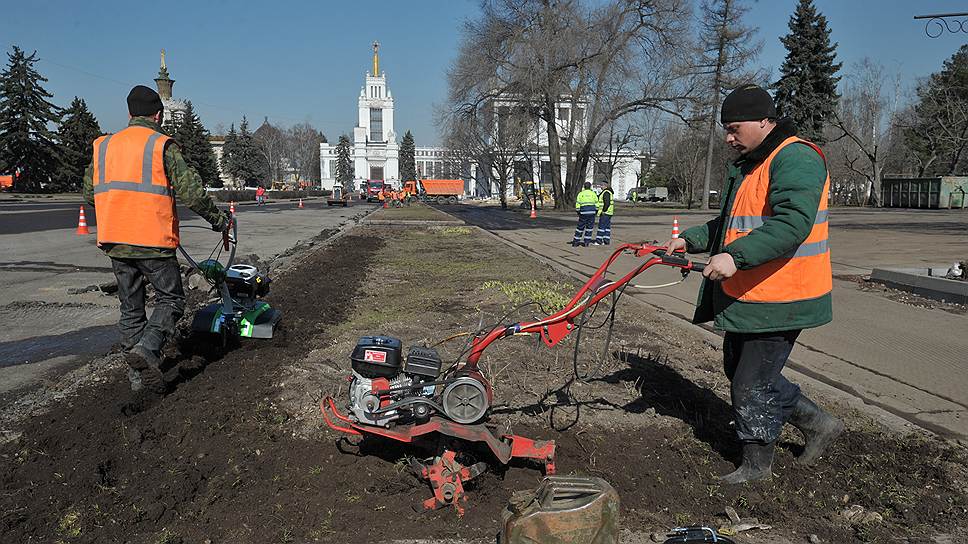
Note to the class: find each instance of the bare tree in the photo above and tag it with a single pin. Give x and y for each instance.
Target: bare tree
(613, 146)
(271, 142)
(600, 63)
(680, 160)
(300, 149)
(491, 136)
(862, 118)
(727, 49)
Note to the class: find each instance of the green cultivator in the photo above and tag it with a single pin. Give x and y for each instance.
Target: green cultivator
(240, 312)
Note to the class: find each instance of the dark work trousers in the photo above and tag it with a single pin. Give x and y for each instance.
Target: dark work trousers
(584, 230)
(762, 398)
(165, 277)
(604, 235)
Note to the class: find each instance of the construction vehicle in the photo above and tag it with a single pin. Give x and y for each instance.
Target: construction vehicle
(239, 311)
(373, 189)
(416, 398)
(338, 198)
(441, 191)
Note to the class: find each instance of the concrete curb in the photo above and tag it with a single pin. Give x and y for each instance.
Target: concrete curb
(927, 282)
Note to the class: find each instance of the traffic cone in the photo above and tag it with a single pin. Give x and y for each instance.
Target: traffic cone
(533, 214)
(232, 207)
(675, 227)
(82, 223)
(300, 203)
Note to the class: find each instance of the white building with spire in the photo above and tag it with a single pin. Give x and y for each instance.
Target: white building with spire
(375, 152)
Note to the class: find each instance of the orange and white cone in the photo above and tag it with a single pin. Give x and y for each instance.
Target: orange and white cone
(232, 207)
(675, 227)
(82, 222)
(300, 203)
(534, 215)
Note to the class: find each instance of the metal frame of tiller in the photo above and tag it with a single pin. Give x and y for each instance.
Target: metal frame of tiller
(446, 475)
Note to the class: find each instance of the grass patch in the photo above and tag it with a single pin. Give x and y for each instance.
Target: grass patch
(70, 524)
(414, 212)
(551, 296)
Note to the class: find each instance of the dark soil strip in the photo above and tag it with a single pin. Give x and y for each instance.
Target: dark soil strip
(211, 460)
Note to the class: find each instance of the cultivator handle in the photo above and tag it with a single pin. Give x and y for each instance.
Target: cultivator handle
(557, 326)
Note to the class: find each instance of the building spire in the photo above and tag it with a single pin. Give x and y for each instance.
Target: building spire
(376, 59)
(164, 81)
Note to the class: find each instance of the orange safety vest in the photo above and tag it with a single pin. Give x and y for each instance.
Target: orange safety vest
(133, 199)
(803, 273)
(381, 196)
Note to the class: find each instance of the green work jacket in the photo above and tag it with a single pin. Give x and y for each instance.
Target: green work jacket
(797, 176)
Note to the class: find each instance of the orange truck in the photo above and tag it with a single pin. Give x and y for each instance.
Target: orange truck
(442, 191)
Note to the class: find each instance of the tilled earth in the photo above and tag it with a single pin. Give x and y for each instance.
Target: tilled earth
(237, 452)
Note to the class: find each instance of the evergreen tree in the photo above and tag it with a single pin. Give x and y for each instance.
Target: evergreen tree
(228, 150)
(807, 89)
(344, 164)
(195, 146)
(246, 163)
(76, 134)
(408, 163)
(28, 147)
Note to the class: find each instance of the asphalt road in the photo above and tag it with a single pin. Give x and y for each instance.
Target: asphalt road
(908, 360)
(36, 216)
(49, 330)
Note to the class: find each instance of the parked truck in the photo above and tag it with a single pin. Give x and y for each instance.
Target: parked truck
(441, 191)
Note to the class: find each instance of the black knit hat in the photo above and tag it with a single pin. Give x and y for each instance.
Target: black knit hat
(143, 101)
(747, 103)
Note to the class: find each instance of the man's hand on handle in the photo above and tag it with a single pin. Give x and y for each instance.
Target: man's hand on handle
(674, 245)
(225, 226)
(719, 267)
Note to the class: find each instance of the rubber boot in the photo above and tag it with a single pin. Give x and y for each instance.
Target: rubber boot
(757, 464)
(819, 429)
(147, 364)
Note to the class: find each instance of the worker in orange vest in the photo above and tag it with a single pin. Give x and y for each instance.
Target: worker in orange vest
(769, 277)
(381, 196)
(132, 182)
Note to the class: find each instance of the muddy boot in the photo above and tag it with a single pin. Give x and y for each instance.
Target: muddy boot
(819, 429)
(757, 464)
(147, 364)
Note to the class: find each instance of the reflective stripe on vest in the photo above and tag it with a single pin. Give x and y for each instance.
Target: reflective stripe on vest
(802, 273)
(133, 198)
(587, 202)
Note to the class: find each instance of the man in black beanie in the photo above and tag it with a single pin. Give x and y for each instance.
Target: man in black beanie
(132, 182)
(768, 278)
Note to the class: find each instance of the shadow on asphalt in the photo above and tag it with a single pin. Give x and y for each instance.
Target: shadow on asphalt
(87, 341)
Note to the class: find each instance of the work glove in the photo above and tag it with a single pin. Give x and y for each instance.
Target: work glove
(225, 226)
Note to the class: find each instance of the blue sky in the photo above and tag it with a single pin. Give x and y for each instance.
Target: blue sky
(297, 61)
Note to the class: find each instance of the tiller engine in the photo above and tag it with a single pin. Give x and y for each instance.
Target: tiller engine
(405, 398)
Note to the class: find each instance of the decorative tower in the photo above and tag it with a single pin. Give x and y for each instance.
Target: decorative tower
(174, 108)
(164, 82)
(375, 148)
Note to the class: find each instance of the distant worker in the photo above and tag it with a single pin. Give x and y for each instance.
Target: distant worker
(132, 182)
(586, 204)
(382, 197)
(606, 208)
(768, 277)
(260, 195)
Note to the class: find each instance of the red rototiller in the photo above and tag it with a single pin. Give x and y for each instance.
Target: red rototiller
(408, 399)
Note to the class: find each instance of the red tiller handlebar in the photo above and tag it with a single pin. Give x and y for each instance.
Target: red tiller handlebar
(557, 326)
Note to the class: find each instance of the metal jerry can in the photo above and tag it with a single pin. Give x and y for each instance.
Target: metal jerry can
(563, 510)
